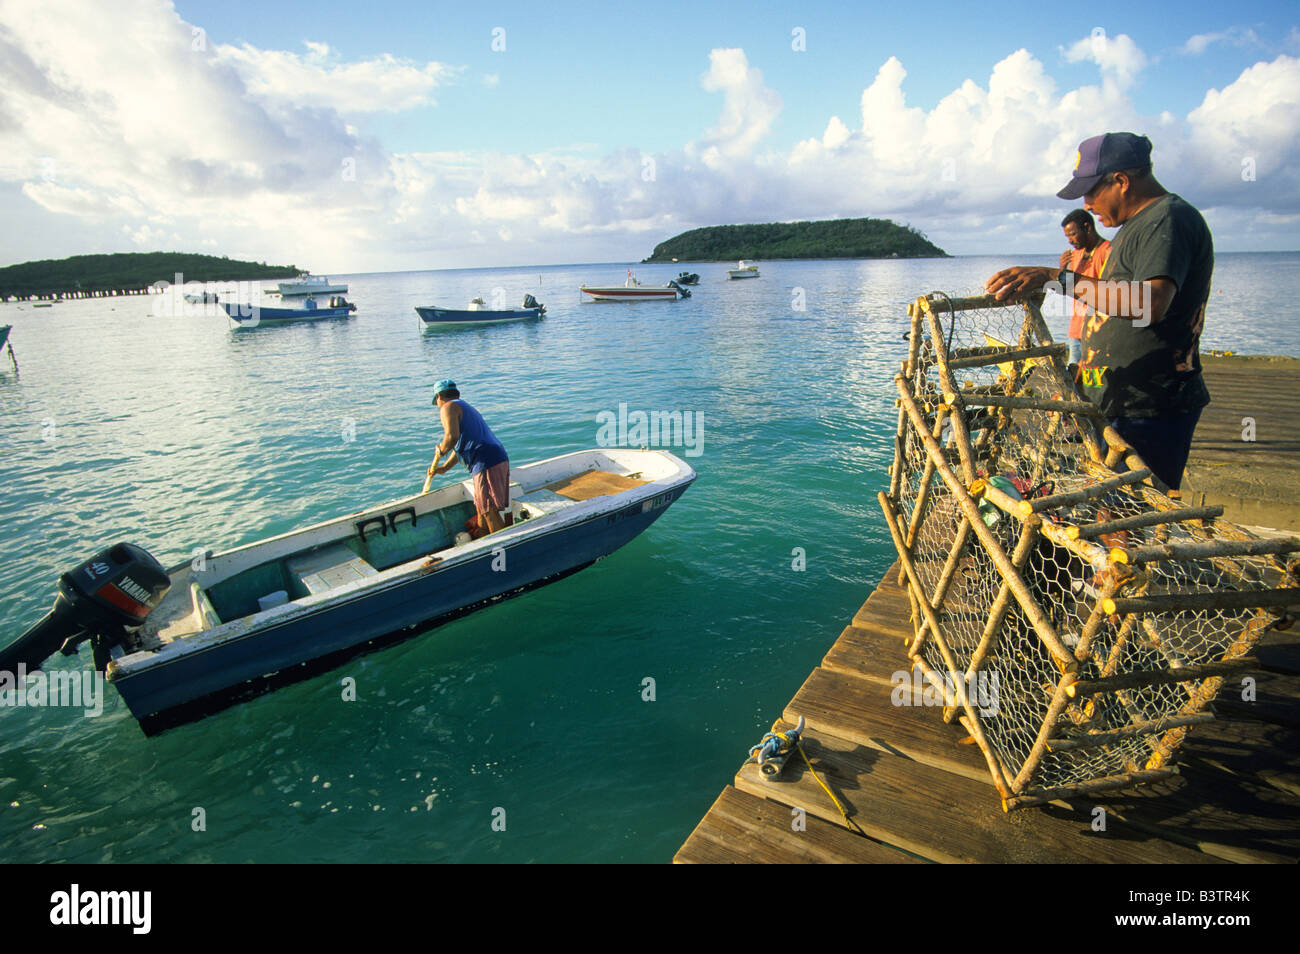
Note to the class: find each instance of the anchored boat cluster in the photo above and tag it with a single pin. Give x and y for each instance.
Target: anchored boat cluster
(1042, 556)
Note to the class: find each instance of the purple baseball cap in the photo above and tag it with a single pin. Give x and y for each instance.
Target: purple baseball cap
(1102, 154)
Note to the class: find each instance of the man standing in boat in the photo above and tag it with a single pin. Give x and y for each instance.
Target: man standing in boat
(467, 437)
(1141, 350)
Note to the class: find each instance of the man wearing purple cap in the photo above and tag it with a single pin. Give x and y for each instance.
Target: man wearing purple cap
(1141, 363)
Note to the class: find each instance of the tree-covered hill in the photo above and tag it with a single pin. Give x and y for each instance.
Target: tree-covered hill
(832, 238)
(127, 271)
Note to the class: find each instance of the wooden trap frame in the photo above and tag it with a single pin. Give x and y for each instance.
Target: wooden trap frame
(1074, 618)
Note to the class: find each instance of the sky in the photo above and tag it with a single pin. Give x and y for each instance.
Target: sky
(389, 136)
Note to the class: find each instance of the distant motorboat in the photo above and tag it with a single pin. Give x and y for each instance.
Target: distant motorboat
(253, 315)
(743, 269)
(478, 313)
(43, 304)
(688, 278)
(311, 285)
(207, 298)
(633, 290)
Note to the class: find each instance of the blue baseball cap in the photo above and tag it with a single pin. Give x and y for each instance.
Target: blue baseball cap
(1103, 154)
(446, 384)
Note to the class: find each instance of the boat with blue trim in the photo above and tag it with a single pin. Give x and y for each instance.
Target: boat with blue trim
(478, 313)
(183, 642)
(250, 315)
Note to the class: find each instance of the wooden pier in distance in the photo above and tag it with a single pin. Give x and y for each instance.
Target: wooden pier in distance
(920, 792)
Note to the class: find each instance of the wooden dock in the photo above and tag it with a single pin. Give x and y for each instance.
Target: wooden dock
(1247, 443)
(919, 792)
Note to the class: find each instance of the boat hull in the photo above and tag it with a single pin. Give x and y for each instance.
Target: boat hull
(251, 656)
(620, 293)
(250, 315)
(432, 315)
(4, 334)
(291, 290)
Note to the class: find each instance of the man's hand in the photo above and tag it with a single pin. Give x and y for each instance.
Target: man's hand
(1018, 281)
(1065, 258)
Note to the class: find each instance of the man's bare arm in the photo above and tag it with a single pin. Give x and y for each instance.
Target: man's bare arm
(1148, 301)
(450, 426)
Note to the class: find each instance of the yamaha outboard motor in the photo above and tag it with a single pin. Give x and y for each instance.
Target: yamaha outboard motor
(680, 290)
(107, 594)
(531, 302)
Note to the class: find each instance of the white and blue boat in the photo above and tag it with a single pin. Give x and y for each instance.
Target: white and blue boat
(184, 642)
(478, 313)
(307, 284)
(249, 315)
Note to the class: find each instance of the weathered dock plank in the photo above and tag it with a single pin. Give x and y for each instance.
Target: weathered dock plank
(910, 782)
(861, 711)
(1247, 443)
(745, 828)
(943, 816)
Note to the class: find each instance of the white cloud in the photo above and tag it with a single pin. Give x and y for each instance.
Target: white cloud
(1119, 57)
(382, 84)
(1237, 36)
(249, 151)
(748, 108)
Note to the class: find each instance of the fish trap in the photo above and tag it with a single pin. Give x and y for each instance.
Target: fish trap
(1072, 616)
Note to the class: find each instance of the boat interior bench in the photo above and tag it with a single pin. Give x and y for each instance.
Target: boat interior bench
(328, 567)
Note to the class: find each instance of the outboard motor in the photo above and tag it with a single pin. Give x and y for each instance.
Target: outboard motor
(680, 290)
(531, 302)
(110, 592)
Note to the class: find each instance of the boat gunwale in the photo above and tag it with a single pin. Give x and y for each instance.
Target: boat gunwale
(143, 660)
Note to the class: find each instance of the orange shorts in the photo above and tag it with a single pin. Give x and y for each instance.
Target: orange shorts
(492, 488)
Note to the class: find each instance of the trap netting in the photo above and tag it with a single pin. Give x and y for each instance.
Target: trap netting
(1073, 617)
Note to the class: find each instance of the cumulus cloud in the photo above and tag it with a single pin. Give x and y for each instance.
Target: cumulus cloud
(258, 152)
(1119, 58)
(748, 108)
(381, 84)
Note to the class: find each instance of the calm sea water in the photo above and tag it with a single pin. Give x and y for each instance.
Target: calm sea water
(177, 432)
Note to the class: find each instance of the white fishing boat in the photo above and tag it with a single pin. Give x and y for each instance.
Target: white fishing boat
(743, 269)
(183, 642)
(633, 290)
(311, 285)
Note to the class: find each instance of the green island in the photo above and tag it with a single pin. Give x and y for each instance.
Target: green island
(830, 238)
(125, 273)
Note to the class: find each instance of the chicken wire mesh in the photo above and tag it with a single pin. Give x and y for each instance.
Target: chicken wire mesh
(1074, 617)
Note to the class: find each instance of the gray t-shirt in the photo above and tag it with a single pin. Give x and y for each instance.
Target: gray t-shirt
(1153, 371)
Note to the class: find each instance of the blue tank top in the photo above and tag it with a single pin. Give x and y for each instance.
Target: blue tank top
(477, 446)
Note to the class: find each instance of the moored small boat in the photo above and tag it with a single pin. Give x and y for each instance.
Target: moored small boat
(247, 315)
(688, 278)
(743, 269)
(311, 285)
(478, 313)
(4, 334)
(633, 290)
(183, 642)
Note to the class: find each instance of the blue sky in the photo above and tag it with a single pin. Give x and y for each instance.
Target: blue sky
(393, 135)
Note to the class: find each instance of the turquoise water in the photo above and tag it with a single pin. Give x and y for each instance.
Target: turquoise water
(177, 432)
